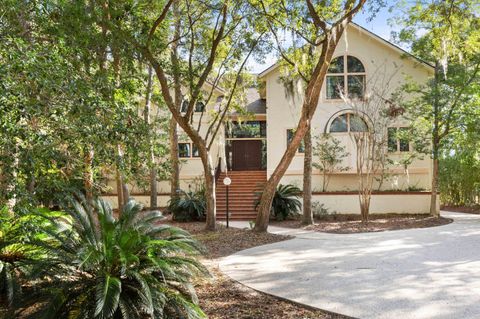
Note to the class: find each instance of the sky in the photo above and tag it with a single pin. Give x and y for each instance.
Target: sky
(379, 25)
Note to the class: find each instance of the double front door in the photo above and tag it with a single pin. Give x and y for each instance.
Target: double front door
(247, 155)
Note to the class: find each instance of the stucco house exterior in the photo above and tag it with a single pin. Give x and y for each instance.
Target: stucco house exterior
(250, 152)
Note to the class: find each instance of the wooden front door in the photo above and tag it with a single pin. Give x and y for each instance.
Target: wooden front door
(247, 155)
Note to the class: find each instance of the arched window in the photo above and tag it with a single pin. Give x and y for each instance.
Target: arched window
(348, 122)
(345, 69)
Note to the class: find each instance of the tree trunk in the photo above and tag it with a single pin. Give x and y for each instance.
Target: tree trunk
(310, 103)
(209, 173)
(177, 87)
(88, 175)
(31, 183)
(125, 194)
(153, 188)
(146, 117)
(435, 141)
(364, 207)
(307, 179)
(433, 200)
(324, 181)
(174, 162)
(88, 185)
(125, 191)
(118, 179)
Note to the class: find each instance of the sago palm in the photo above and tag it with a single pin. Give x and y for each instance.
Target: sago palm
(285, 201)
(24, 244)
(126, 267)
(188, 205)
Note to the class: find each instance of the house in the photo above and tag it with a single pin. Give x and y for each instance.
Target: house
(249, 149)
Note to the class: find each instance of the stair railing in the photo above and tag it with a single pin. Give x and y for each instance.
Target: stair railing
(218, 169)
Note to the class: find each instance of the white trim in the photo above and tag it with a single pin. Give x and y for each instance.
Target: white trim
(268, 70)
(345, 75)
(332, 118)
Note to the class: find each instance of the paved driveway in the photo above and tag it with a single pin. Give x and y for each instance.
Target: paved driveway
(417, 273)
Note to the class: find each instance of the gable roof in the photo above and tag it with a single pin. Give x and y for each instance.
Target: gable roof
(217, 88)
(374, 36)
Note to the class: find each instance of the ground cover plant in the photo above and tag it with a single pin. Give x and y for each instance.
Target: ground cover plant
(188, 205)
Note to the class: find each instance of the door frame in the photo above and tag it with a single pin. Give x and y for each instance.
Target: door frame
(231, 140)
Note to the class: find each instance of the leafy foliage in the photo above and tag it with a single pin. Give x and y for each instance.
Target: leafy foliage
(460, 166)
(330, 155)
(285, 201)
(60, 96)
(24, 245)
(188, 205)
(450, 99)
(129, 267)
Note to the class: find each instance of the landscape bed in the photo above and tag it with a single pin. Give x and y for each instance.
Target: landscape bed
(350, 224)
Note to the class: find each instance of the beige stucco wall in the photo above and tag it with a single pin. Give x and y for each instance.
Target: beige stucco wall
(283, 113)
(380, 203)
(404, 203)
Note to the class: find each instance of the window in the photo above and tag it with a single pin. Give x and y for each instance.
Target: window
(397, 139)
(346, 75)
(187, 150)
(184, 150)
(195, 152)
(348, 122)
(290, 133)
(199, 106)
(248, 129)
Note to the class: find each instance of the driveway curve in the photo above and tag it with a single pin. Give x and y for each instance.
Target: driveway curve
(416, 273)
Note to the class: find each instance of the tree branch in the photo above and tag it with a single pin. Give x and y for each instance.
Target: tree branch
(159, 20)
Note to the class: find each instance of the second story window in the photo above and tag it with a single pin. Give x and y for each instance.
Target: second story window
(346, 75)
(199, 106)
(187, 150)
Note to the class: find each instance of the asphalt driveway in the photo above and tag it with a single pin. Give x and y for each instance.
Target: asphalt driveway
(416, 273)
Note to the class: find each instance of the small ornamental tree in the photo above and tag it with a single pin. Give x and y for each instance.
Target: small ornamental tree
(369, 131)
(330, 154)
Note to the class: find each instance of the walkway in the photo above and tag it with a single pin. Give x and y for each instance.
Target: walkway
(416, 273)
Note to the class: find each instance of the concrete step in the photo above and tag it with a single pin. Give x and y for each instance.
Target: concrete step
(238, 216)
(236, 208)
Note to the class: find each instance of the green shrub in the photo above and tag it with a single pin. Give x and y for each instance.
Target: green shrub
(188, 206)
(285, 201)
(126, 267)
(320, 212)
(24, 249)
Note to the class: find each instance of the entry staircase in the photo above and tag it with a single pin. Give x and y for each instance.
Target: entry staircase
(241, 194)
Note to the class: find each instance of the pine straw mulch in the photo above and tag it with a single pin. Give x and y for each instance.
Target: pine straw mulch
(224, 298)
(352, 224)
